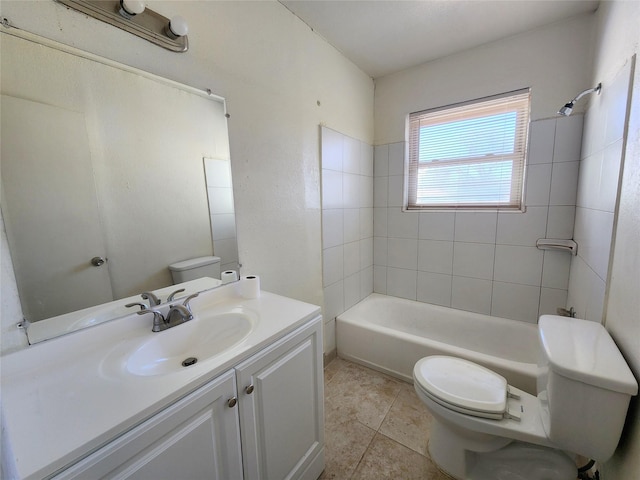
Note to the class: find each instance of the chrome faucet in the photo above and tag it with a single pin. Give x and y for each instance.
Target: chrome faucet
(153, 300)
(180, 313)
(136, 304)
(173, 294)
(159, 322)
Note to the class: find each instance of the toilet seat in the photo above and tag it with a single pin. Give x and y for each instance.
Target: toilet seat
(462, 386)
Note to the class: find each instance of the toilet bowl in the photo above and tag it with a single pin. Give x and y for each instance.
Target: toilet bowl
(485, 429)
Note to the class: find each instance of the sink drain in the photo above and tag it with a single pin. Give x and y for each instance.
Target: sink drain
(187, 362)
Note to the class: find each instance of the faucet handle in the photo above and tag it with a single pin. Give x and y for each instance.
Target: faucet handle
(138, 304)
(188, 299)
(158, 319)
(153, 300)
(173, 294)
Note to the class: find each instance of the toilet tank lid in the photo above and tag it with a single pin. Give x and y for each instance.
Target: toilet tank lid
(584, 351)
(193, 263)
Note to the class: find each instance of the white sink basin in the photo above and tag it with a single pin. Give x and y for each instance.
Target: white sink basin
(199, 339)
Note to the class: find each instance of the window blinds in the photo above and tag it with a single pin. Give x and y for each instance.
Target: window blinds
(469, 155)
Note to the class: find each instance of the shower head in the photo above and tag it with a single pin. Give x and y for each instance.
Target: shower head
(568, 107)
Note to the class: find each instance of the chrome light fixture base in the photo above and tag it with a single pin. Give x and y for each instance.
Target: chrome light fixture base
(149, 25)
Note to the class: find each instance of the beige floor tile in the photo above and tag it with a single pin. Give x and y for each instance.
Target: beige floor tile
(332, 368)
(387, 459)
(408, 420)
(360, 393)
(346, 441)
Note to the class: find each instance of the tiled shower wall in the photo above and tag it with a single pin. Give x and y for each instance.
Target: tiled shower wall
(347, 225)
(602, 152)
(482, 262)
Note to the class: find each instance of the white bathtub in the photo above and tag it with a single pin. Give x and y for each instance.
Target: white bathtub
(390, 334)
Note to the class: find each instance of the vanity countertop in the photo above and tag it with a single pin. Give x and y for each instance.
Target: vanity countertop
(64, 398)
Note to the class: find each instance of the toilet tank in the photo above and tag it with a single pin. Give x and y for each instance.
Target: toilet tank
(585, 391)
(195, 268)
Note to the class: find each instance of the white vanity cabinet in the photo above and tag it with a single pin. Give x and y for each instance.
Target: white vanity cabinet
(197, 437)
(261, 420)
(281, 408)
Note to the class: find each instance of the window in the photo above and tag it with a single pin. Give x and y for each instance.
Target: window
(469, 155)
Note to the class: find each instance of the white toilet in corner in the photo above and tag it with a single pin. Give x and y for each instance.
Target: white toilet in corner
(195, 268)
(484, 429)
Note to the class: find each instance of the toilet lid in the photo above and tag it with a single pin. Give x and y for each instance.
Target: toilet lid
(462, 384)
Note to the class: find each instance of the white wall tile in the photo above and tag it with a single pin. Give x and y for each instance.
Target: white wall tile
(332, 150)
(218, 172)
(518, 302)
(332, 227)
(226, 249)
(515, 228)
(541, 140)
(615, 95)
(402, 253)
(366, 159)
(333, 300)
(595, 299)
(329, 336)
(220, 200)
(395, 195)
(379, 221)
(366, 253)
(593, 230)
(538, 184)
(555, 270)
(560, 222)
(381, 160)
(351, 224)
(609, 177)
(564, 183)
(332, 265)
(473, 260)
(396, 158)
(223, 225)
(402, 224)
(471, 294)
(578, 292)
(434, 288)
(515, 264)
(380, 279)
(435, 256)
(380, 247)
(351, 155)
(401, 283)
(331, 189)
(351, 290)
(550, 300)
(380, 191)
(366, 191)
(366, 223)
(350, 190)
(589, 180)
(475, 227)
(436, 225)
(351, 258)
(366, 282)
(568, 140)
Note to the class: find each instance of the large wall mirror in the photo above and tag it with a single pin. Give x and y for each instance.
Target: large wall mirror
(103, 177)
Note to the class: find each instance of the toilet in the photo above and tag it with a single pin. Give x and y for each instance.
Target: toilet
(485, 429)
(195, 268)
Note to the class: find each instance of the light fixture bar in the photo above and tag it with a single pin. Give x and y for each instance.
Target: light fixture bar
(148, 25)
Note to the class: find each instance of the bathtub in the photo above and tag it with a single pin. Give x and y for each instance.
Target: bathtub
(390, 334)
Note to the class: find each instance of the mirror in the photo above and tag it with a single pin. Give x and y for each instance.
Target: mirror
(109, 175)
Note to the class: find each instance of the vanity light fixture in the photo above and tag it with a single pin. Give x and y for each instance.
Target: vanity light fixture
(133, 17)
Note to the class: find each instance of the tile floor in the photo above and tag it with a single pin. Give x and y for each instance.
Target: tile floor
(375, 427)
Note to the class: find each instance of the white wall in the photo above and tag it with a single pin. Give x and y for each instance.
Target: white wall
(555, 61)
(618, 39)
(280, 81)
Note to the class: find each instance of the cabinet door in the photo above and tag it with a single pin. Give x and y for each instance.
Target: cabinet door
(280, 392)
(198, 437)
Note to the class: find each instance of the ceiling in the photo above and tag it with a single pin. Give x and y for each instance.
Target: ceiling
(386, 36)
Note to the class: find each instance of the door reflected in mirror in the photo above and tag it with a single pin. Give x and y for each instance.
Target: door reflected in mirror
(100, 160)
